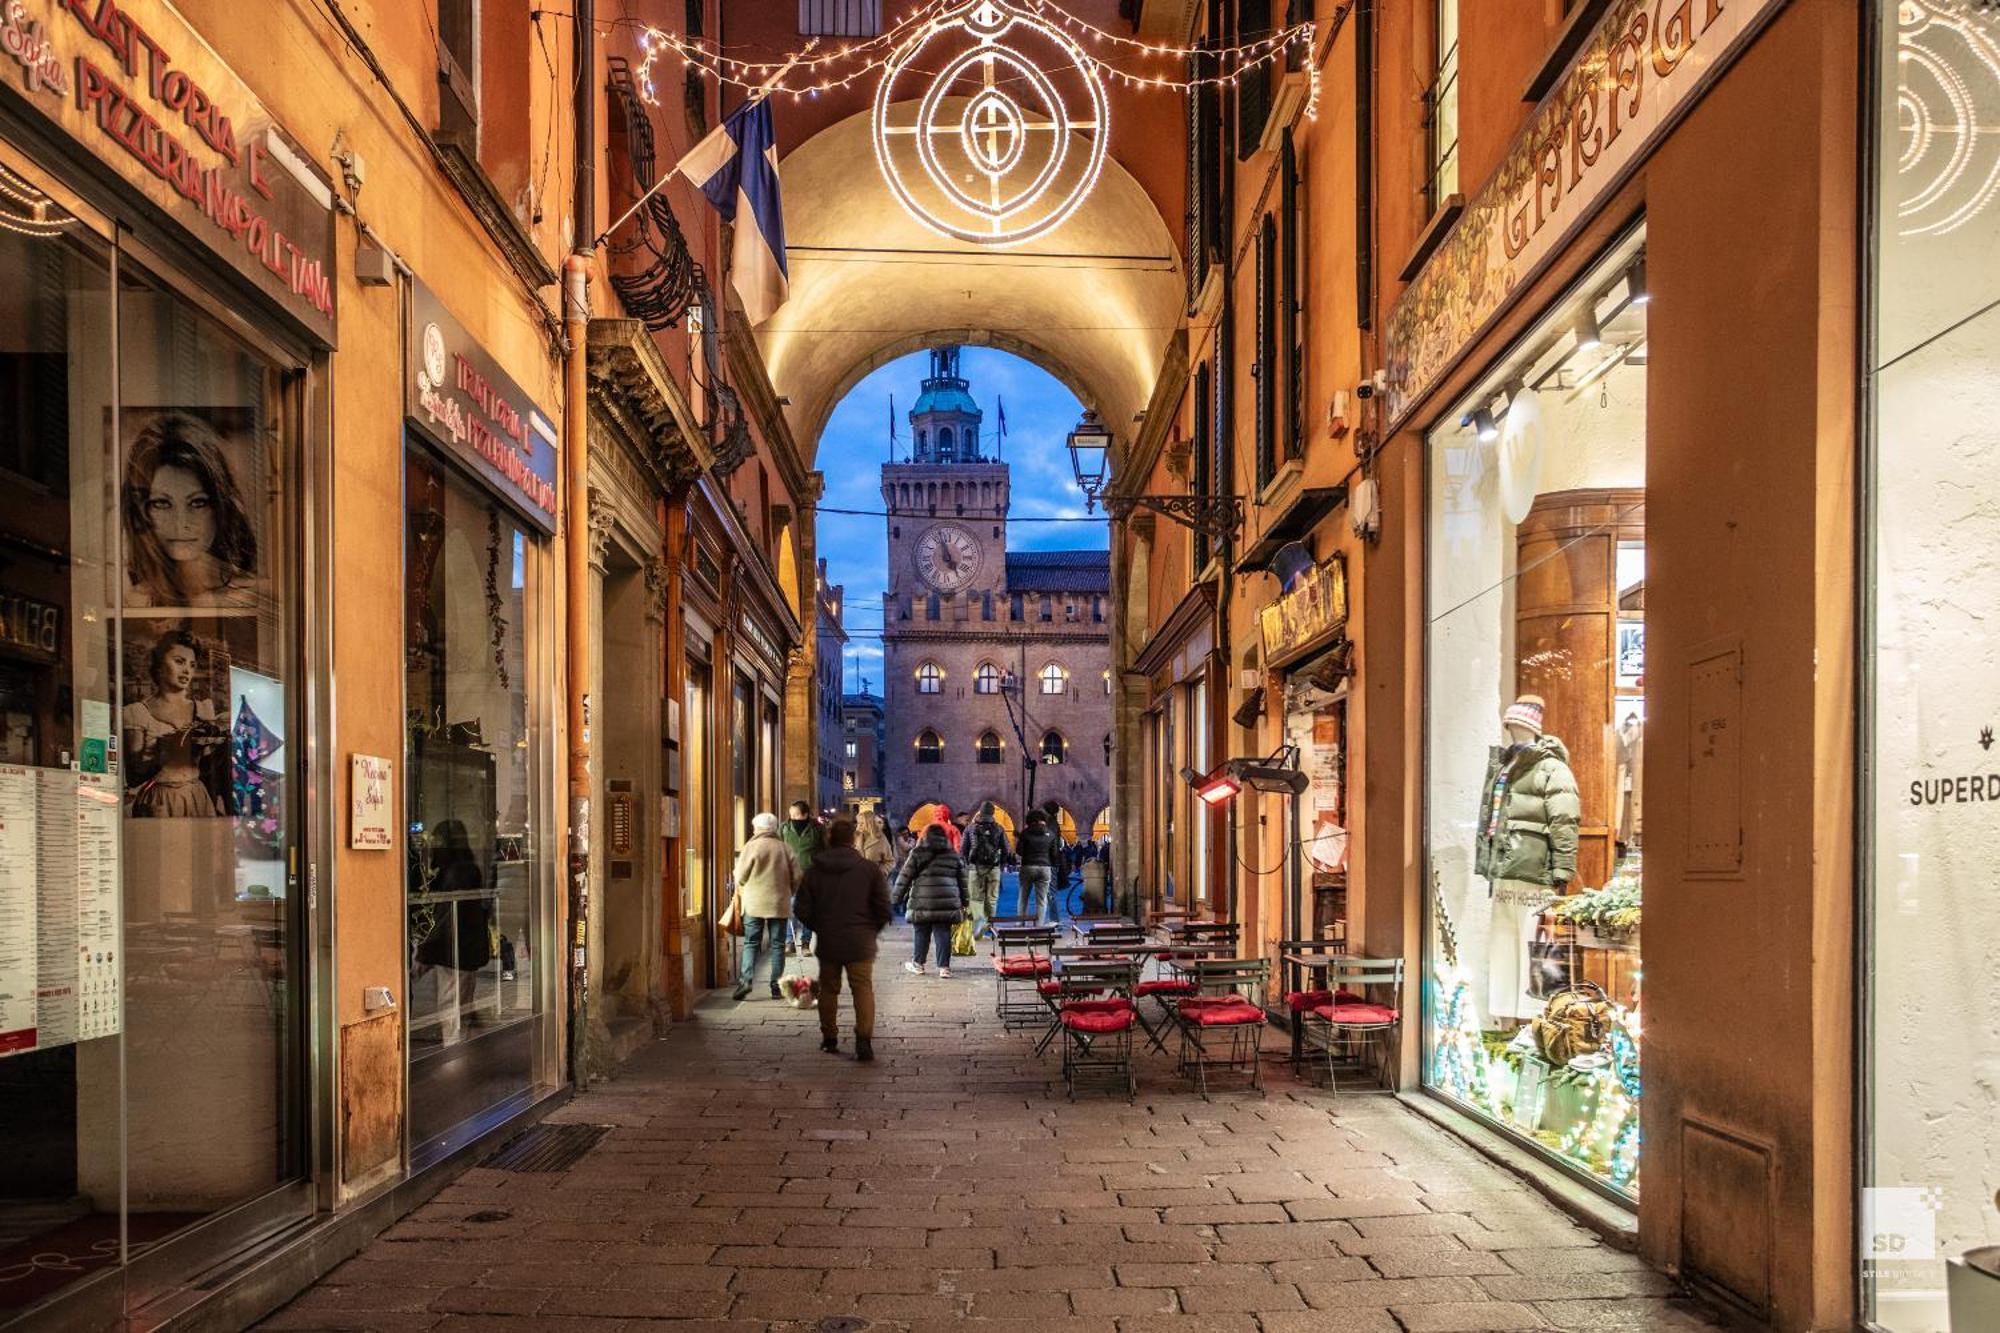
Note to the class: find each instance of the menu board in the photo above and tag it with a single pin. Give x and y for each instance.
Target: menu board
(18, 958)
(59, 908)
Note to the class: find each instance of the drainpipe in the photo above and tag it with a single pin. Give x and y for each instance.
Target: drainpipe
(576, 550)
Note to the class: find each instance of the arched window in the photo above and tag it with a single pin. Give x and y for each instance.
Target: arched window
(986, 680)
(947, 450)
(923, 443)
(930, 747)
(1054, 679)
(990, 747)
(930, 678)
(1055, 750)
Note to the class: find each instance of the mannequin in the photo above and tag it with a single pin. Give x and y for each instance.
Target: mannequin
(1526, 847)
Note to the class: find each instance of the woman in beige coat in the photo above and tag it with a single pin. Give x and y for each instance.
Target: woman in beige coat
(873, 843)
(766, 872)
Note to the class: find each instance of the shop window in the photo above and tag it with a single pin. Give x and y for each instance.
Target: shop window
(1441, 109)
(1930, 1161)
(986, 680)
(930, 747)
(990, 747)
(149, 698)
(1055, 749)
(1054, 678)
(472, 788)
(930, 678)
(1536, 700)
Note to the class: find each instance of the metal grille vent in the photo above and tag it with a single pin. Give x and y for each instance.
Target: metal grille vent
(548, 1148)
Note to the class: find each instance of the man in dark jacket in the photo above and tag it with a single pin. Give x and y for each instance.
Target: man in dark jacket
(933, 883)
(985, 849)
(844, 899)
(1040, 851)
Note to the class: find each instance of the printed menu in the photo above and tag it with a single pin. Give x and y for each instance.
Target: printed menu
(60, 909)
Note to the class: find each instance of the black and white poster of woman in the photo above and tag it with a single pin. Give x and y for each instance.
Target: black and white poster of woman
(195, 501)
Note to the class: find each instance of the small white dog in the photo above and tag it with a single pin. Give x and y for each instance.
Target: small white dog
(799, 991)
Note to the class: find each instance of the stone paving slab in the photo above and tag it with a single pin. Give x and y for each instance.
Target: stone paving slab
(752, 1183)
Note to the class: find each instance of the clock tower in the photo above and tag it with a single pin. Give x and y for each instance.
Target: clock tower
(947, 505)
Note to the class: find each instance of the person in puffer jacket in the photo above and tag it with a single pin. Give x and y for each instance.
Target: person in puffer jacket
(933, 884)
(1525, 847)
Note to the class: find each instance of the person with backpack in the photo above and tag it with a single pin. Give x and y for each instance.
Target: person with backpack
(932, 885)
(803, 835)
(985, 849)
(1040, 850)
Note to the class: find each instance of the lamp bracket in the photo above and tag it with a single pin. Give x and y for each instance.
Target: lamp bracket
(1218, 517)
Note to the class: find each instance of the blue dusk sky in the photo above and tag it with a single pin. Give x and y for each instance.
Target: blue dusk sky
(1041, 411)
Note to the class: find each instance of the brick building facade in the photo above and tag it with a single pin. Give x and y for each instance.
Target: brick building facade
(863, 724)
(988, 654)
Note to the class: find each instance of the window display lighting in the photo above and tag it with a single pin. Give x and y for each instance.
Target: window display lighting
(1636, 291)
(1483, 426)
(1589, 337)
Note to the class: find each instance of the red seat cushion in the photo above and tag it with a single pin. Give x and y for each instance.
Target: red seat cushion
(1022, 967)
(1231, 1013)
(1092, 1020)
(1117, 1004)
(1359, 1015)
(1169, 986)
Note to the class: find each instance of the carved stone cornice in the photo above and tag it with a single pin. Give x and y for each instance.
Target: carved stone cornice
(631, 387)
(1133, 466)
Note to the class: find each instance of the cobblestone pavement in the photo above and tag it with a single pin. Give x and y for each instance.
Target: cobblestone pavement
(751, 1182)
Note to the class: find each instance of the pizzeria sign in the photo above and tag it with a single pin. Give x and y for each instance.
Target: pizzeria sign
(133, 84)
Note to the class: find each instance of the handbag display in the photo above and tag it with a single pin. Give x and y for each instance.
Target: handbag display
(731, 919)
(1551, 964)
(1575, 1025)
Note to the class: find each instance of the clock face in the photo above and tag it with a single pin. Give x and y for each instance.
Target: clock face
(947, 557)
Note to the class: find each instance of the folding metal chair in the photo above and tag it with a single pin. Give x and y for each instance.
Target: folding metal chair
(1222, 1027)
(1095, 1013)
(1020, 960)
(1052, 993)
(1202, 939)
(1366, 1000)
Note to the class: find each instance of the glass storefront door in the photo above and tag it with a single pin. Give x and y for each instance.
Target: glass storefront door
(151, 935)
(474, 789)
(1931, 1016)
(1535, 715)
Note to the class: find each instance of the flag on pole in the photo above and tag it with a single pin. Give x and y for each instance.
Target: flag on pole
(736, 166)
(1002, 402)
(892, 428)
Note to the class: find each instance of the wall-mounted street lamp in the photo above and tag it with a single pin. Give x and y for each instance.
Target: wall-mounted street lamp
(1218, 517)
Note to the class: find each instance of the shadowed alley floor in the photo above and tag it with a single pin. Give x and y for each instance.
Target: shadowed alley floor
(751, 1182)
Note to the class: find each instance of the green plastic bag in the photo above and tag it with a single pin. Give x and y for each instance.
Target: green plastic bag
(961, 941)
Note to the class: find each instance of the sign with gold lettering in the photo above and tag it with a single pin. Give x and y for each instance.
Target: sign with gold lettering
(1316, 605)
(132, 83)
(1644, 64)
(459, 396)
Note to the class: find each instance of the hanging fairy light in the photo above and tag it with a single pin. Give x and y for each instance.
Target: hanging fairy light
(27, 211)
(980, 161)
(1008, 137)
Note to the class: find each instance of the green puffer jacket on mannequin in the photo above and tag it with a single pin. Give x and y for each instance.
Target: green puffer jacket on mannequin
(1527, 824)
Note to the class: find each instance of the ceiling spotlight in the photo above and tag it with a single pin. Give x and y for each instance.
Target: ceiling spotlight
(1481, 421)
(1588, 336)
(1513, 389)
(1635, 281)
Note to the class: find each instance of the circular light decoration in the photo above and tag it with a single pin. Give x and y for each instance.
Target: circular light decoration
(1008, 136)
(1948, 88)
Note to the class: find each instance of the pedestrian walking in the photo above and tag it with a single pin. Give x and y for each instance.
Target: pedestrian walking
(1040, 851)
(942, 819)
(985, 849)
(871, 840)
(932, 884)
(765, 874)
(844, 900)
(804, 835)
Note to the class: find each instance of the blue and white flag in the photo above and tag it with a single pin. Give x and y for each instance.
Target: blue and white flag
(736, 166)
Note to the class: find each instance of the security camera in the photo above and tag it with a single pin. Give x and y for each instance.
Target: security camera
(1365, 389)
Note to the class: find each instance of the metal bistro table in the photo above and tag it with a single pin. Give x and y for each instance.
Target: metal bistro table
(1303, 957)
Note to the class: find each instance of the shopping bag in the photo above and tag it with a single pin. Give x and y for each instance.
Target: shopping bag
(961, 941)
(731, 919)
